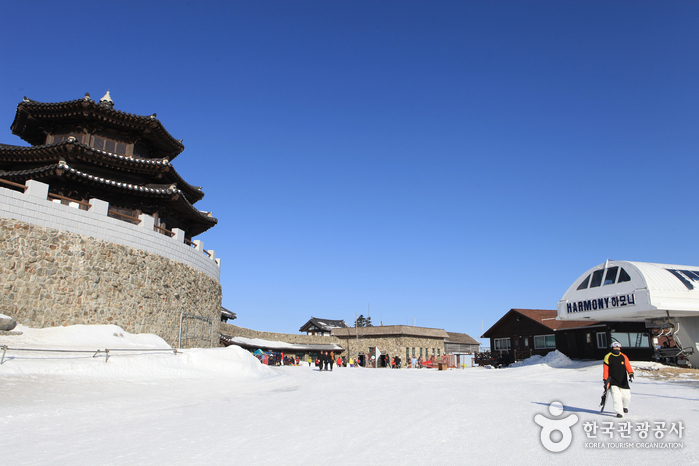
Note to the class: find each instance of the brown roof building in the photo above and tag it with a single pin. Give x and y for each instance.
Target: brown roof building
(521, 333)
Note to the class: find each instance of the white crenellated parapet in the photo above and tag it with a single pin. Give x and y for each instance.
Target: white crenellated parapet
(37, 189)
(178, 235)
(99, 206)
(147, 222)
(33, 206)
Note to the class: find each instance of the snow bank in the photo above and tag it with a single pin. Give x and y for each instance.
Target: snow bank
(82, 337)
(554, 359)
(148, 363)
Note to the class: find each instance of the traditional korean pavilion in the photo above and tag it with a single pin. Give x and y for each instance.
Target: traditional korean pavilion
(86, 149)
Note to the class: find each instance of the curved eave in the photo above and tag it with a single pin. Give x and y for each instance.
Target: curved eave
(70, 150)
(201, 221)
(31, 116)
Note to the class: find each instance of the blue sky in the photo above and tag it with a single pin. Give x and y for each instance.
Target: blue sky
(435, 163)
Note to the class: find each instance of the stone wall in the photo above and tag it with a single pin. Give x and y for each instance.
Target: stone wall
(392, 345)
(52, 277)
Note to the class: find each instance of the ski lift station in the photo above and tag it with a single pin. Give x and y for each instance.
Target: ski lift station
(665, 297)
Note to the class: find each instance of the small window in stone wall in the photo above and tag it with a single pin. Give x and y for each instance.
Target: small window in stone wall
(407, 354)
(413, 352)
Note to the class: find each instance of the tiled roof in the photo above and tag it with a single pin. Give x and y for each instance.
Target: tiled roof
(87, 154)
(548, 318)
(31, 115)
(61, 169)
(386, 330)
(544, 317)
(325, 325)
(461, 338)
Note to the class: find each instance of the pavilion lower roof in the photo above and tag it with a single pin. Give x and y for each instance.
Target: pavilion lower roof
(168, 196)
(74, 151)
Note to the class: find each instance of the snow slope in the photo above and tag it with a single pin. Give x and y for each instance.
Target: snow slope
(219, 405)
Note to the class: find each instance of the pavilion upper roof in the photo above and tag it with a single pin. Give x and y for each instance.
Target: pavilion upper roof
(34, 120)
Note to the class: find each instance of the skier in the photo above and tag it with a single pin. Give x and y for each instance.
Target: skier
(616, 366)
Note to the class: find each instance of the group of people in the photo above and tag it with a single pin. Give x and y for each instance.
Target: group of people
(327, 359)
(279, 359)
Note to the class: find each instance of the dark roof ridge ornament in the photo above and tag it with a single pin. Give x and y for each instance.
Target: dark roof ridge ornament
(87, 97)
(107, 101)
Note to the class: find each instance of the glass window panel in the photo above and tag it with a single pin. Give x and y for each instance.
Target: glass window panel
(109, 145)
(681, 278)
(692, 275)
(550, 341)
(120, 148)
(597, 278)
(601, 340)
(621, 338)
(610, 277)
(584, 283)
(98, 143)
(623, 276)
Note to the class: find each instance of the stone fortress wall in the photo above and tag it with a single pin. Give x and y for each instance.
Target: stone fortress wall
(61, 265)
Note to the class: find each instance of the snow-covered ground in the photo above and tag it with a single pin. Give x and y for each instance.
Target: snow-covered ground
(216, 406)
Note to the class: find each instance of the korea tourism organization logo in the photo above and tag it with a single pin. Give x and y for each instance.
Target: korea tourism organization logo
(556, 428)
(557, 432)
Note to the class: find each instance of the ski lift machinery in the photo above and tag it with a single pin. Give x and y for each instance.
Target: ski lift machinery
(665, 297)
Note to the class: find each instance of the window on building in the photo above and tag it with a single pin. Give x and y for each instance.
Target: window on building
(407, 354)
(597, 278)
(420, 352)
(588, 338)
(601, 340)
(526, 341)
(631, 340)
(437, 351)
(545, 341)
(413, 352)
(583, 284)
(610, 277)
(623, 276)
(681, 278)
(109, 145)
(501, 344)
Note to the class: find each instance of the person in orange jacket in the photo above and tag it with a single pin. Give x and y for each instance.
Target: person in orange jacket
(616, 368)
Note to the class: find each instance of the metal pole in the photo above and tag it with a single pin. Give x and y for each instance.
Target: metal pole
(179, 342)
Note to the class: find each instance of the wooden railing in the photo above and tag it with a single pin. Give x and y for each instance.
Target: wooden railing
(164, 231)
(87, 205)
(14, 185)
(128, 218)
